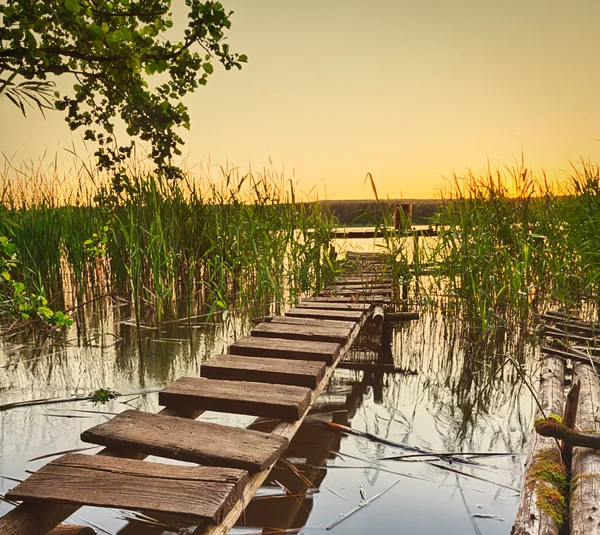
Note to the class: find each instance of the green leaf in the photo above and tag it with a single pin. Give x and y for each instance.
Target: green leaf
(73, 6)
(208, 68)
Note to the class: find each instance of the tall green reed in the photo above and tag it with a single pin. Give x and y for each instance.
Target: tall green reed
(211, 242)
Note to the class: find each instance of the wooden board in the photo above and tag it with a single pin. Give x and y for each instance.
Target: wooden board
(187, 440)
(358, 287)
(72, 530)
(312, 322)
(334, 306)
(290, 331)
(285, 349)
(264, 370)
(347, 315)
(256, 399)
(348, 299)
(377, 295)
(202, 491)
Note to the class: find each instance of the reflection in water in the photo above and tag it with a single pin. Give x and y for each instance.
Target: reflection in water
(448, 397)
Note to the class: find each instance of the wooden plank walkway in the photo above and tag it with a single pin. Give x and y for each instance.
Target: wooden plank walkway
(277, 372)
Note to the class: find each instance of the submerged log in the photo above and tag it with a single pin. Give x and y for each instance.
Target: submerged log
(585, 468)
(542, 507)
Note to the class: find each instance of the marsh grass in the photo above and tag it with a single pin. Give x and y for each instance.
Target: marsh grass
(511, 243)
(210, 241)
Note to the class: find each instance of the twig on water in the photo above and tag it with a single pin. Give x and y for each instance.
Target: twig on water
(362, 504)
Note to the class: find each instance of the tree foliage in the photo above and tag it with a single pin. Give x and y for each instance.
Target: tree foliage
(124, 61)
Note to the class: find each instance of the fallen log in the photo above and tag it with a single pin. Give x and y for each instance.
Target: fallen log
(585, 467)
(542, 507)
(549, 427)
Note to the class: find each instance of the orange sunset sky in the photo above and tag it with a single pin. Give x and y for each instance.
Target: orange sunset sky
(408, 90)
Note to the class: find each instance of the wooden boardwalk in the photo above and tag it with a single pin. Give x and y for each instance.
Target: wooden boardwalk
(277, 372)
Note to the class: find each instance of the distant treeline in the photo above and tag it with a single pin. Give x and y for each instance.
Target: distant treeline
(368, 212)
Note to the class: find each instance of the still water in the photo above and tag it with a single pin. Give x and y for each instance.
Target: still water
(442, 398)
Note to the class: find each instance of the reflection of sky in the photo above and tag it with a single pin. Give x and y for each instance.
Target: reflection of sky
(425, 410)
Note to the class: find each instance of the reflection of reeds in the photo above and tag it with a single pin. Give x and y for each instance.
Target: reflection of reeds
(207, 241)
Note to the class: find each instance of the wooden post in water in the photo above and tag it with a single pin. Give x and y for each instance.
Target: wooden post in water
(585, 467)
(402, 216)
(535, 515)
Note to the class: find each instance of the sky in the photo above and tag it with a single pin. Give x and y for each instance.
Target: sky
(411, 91)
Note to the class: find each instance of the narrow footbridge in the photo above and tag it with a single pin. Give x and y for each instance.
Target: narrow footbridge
(277, 372)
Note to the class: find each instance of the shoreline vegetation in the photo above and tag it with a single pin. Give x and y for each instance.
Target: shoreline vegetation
(509, 242)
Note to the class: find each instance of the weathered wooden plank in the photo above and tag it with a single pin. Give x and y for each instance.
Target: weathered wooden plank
(357, 287)
(72, 530)
(334, 306)
(312, 322)
(187, 440)
(358, 291)
(347, 315)
(530, 518)
(290, 331)
(38, 518)
(238, 397)
(585, 466)
(284, 429)
(361, 280)
(348, 299)
(202, 491)
(286, 349)
(264, 370)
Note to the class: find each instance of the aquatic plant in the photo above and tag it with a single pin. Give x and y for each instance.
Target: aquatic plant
(209, 241)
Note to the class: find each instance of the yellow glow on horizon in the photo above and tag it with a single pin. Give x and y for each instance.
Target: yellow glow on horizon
(410, 91)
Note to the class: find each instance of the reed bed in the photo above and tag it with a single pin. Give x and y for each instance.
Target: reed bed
(208, 241)
(511, 243)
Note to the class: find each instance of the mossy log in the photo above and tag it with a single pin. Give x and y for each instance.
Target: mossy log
(549, 427)
(585, 467)
(542, 506)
